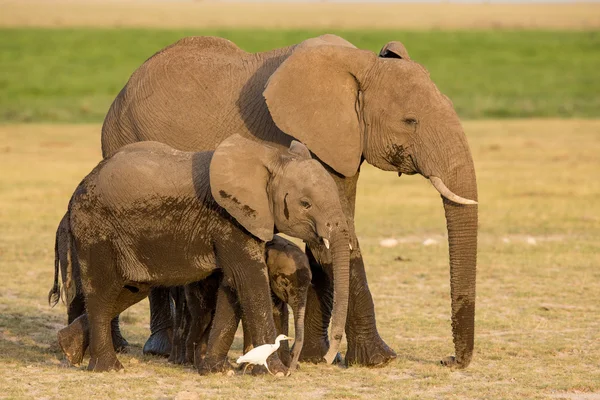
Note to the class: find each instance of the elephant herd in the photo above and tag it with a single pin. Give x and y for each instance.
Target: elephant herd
(210, 151)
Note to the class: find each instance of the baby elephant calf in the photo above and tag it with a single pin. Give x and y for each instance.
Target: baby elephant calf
(154, 216)
(289, 279)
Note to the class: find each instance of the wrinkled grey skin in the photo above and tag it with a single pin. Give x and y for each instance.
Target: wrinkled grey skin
(289, 279)
(154, 216)
(348, 106)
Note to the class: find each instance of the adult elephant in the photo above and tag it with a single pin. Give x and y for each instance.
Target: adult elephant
(347, 105)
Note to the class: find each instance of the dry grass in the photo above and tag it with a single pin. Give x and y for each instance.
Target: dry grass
(211, 14)
(538, 284)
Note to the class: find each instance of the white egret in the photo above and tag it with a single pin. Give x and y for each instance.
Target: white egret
(259, 355)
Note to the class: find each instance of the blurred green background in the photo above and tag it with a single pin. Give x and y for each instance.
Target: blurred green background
(72, 75)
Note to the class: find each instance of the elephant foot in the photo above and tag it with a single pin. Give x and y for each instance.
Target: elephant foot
(452, 362)
(178, 355)
(105, 363)
(74, 340)
(210, 365)
(159, 343)
(314, 351)
(369, 353)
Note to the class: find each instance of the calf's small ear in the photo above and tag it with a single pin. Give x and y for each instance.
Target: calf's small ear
(239, 175)
(299, 149)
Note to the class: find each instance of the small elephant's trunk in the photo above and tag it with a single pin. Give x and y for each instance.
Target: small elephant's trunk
(299, 313)
(340, 252)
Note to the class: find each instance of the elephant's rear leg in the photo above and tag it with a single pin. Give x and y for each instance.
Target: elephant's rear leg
(101, 310)
(77, 309)
(74, 339)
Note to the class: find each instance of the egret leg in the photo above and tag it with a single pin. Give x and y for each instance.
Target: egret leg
(243, 373)
(267, 367)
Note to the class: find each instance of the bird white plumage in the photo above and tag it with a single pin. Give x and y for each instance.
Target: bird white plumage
(259, 355)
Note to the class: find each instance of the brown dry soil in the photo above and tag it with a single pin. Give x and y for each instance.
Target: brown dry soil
(538, 294)
(207, 14)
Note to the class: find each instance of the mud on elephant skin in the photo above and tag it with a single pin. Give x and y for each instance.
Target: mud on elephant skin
(348, 106)
(189, 213)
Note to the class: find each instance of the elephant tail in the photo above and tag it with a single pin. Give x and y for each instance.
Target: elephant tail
(54, 294)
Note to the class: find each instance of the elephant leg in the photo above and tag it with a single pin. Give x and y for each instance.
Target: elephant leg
(102, 353)
(201, 347)
(365, 346)
(184, 356)
(177, 349)
(254, 297)
(247, 337)
(319, 304)
(100, 310)
(119, 342)
(77, 309)
(74, 339)
(201, 298)
(225, 323)
(281, 318)
(161, 323)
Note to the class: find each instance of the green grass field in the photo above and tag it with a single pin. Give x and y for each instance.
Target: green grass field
(538, 291)
(72, 75)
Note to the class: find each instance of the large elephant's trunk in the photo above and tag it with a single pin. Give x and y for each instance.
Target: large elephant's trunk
(453, 174)
(340, 252)
(462, 240)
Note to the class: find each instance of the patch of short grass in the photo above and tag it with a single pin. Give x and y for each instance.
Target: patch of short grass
(537, 296)
(73, 75)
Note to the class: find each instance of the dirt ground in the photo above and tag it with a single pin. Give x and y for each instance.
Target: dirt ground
(538, 288)
(208, 14)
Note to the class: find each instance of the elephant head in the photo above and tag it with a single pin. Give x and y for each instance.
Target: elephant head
(349, 105)
(264, 189)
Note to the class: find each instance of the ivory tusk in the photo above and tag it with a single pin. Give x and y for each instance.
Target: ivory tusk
(447, 193)
(326, 243)
(350, 246)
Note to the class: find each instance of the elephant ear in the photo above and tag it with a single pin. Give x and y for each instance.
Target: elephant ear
(394, 50)
(300, 150)
(314, 97)
(239, 175)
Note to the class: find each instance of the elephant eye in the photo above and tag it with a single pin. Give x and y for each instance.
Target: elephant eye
(305, 204)
(411, 121)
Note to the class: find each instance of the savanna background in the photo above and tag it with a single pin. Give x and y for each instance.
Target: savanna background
(525, 80)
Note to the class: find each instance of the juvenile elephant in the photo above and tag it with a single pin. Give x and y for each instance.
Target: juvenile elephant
(348, 106)
(154, 216)
(289, 279)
